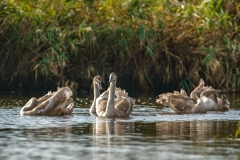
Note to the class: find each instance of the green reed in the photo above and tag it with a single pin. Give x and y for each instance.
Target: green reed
(151, 45)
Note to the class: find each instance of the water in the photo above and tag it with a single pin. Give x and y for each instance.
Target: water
(151, 132)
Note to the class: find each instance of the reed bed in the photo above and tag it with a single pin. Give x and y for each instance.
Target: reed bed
(151, 45)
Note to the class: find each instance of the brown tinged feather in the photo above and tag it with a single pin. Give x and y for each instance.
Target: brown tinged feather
(121, 106)
(202, 99)
(52, 104)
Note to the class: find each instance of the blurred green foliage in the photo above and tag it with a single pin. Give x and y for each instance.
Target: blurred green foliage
(151, 45)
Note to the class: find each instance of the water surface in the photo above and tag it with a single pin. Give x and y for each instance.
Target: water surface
(151, 132)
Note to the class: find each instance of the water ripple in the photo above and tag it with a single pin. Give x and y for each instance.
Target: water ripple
(151, 132)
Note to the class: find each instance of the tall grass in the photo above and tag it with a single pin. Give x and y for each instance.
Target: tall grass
(151, 45)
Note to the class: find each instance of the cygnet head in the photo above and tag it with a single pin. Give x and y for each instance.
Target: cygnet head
(112, 77)
(98, 80)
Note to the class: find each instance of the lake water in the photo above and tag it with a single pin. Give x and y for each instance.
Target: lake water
(151, 132)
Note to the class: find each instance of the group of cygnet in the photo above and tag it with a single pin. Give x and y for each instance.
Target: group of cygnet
(115, 102)
(201, 100)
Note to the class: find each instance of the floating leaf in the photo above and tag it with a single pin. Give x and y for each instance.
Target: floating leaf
(238, 130)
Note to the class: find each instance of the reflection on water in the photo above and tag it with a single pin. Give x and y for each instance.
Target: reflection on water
(195, 130)
(106, 133)
(104, 126)
(152, 132)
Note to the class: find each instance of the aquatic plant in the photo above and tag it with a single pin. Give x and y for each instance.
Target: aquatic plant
(156, 45)
(238, 130)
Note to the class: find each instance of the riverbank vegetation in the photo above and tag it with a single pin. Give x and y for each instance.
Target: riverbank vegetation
(151, 45)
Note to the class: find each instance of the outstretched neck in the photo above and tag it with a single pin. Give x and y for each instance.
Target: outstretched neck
(110, 110)
(96, 93)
